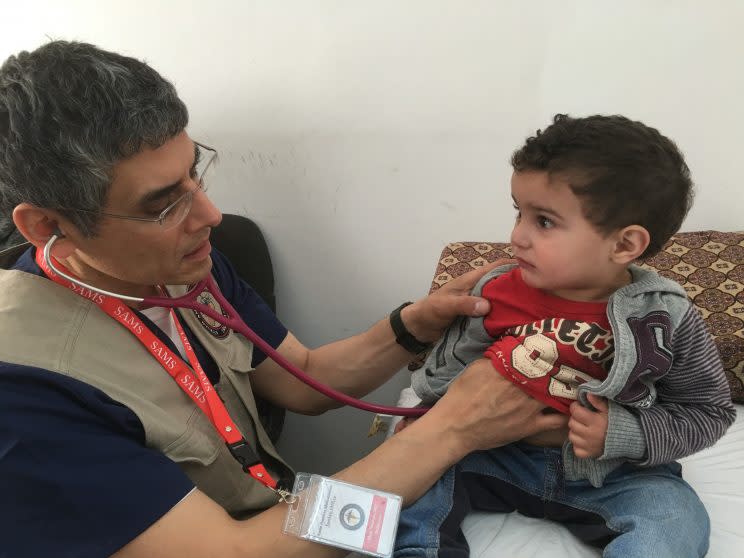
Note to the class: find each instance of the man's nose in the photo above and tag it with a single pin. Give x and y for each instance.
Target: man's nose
(203, 211)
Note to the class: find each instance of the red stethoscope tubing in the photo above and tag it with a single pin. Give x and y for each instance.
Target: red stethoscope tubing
(233, 321)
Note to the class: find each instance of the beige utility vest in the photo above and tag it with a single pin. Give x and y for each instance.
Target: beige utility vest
(45, 325)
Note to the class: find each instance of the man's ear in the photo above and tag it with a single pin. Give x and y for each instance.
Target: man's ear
(630, 243)
(38, 224)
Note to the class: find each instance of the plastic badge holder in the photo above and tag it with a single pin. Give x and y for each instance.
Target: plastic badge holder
(343, 515)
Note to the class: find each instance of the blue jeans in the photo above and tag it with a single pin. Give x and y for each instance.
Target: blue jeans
(638, 512)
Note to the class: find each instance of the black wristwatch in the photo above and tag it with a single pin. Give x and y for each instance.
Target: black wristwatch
(403, 337)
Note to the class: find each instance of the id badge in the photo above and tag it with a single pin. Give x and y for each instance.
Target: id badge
(343, 515)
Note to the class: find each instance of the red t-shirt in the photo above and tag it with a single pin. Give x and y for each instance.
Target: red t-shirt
(545, 344)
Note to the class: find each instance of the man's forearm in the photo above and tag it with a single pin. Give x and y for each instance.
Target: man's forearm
(480, 410)
(404, 472)
(359, 364)
(354, 366)
(197, 526)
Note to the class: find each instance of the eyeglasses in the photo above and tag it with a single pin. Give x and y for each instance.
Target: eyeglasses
(176, 212)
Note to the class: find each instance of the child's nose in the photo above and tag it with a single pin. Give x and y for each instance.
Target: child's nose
(519, 235)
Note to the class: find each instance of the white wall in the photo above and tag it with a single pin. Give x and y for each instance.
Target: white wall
(363, 136)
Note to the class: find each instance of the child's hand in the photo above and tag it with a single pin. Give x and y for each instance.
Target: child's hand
(587, 429)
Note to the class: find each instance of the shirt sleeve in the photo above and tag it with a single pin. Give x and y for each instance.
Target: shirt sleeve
(246, 301)
(76, 477)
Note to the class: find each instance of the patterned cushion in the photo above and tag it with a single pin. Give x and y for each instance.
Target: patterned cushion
(708, 264)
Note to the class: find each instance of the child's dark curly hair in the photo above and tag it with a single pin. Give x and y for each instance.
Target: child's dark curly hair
(625, 172)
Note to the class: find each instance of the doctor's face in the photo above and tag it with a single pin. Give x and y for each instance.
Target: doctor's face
(131, 255)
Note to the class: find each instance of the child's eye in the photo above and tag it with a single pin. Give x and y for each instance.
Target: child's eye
(545, 223)
(519, 213)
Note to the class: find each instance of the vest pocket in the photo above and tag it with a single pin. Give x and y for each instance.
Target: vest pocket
(241, 354)
(195, 445)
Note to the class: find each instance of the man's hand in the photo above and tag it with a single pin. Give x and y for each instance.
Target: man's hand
(588, 428)
(485, 410)
(427, 318)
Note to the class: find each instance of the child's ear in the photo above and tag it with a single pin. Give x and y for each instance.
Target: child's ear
(630, 243)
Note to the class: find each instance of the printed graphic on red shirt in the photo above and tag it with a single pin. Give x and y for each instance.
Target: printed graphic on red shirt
(546, 345)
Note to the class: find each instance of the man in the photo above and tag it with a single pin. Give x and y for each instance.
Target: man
(101, 452)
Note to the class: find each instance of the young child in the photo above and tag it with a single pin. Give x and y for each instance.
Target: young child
(618, 348)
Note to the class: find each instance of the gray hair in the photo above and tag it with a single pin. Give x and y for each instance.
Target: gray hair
(69, 112)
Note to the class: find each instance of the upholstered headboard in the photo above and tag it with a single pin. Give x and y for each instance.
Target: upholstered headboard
(708, 264)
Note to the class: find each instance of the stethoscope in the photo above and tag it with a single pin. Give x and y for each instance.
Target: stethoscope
(232, 320)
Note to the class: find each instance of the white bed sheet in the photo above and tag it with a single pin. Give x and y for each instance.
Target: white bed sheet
(716, 474)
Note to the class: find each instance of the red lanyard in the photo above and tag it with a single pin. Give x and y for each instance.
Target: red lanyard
(196, 386)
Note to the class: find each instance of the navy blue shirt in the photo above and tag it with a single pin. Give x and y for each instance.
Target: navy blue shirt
(76, 478)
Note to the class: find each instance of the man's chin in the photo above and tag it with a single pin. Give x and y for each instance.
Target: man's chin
(194, 272)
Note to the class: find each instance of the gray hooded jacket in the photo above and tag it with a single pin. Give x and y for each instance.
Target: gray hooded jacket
(667, 392)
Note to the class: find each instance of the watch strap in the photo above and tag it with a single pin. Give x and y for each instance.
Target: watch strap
(403, 337)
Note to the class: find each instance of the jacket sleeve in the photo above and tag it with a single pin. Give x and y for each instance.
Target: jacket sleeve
(693, 408)
(464, 341)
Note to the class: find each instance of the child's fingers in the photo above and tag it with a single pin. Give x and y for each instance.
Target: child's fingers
(599, 403)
